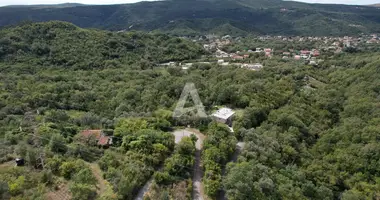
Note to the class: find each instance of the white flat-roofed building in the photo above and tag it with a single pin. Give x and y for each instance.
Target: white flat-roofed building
(224, 115)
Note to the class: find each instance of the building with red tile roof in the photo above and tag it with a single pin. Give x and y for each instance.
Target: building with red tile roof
(100, 137)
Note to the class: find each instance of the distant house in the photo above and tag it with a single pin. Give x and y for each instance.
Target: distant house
(372, 41)
(256, 66)
(98, 135)
(169, 64)
(221, 61)
(316, 53)
(237, 57)
(313, 62)
(297, 57)
(268, 50)
(224, 115)
(221, 54)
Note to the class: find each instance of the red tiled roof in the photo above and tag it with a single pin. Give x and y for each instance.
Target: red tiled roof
(103, 140)
(88, 133)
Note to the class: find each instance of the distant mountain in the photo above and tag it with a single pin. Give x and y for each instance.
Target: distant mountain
(375, 5)
(189, 17)
(63, 5)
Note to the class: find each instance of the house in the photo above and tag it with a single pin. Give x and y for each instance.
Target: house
(237, 57)
(286, 53)
(99, 136)
(268, 50)
(221, 54)
(297, 57)
(256, 66)
(313, 62)
(169, 64)
(224, 115)
(316, 53)
(372, 41)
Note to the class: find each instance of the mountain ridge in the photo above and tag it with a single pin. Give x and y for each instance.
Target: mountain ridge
(204, 16)
(60, 5)
(375, 5)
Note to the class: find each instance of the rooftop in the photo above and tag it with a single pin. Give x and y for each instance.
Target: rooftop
(224, 113)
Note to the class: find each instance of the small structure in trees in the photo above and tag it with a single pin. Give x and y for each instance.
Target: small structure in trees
(224, 115)
(20, 162)
(98, 135)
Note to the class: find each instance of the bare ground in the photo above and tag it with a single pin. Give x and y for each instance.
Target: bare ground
(62, 193)
(102, 184)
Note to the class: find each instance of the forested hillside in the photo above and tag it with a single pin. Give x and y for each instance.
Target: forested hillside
(189, 17)
(310, 132)
(63, 44)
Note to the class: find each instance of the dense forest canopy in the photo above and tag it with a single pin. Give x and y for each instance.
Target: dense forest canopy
(310, 132)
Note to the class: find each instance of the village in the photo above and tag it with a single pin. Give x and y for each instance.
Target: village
(310, 51)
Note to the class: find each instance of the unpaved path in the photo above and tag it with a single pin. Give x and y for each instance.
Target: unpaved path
(145, 189)
(101, 186)
(61, 193)
(239, 148)
(198, 193)
(198, 174)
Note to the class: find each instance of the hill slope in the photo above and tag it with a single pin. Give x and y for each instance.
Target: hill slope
(65, 45)
(205, 16)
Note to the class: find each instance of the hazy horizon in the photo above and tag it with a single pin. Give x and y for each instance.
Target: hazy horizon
(105, 2)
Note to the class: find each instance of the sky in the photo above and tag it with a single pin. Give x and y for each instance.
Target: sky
(30, 2)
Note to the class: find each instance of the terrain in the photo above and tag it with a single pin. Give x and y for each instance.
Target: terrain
(309, 131)
(188, 17)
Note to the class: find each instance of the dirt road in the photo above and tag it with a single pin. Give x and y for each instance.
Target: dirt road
(239, 148)
(198, 174)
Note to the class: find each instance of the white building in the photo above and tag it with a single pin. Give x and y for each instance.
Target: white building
(256, 66)
(224, 115)
(221, 54)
